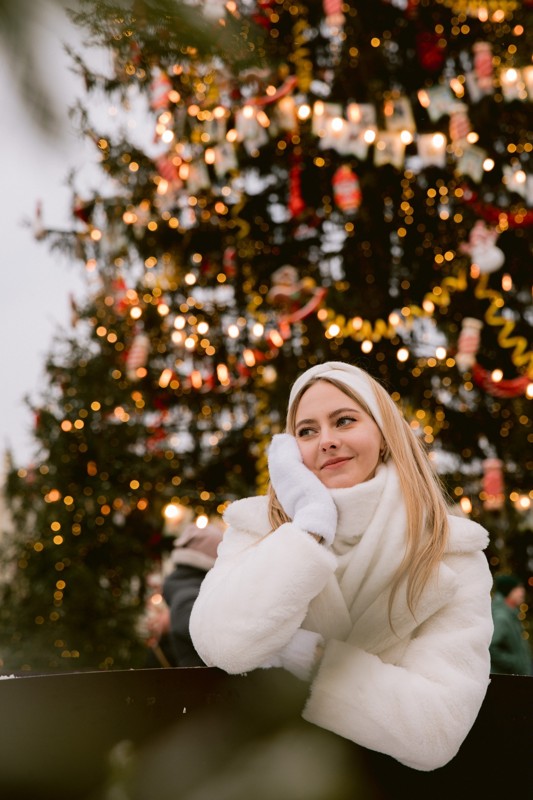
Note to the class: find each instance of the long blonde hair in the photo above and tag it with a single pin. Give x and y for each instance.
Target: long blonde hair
(425, 503)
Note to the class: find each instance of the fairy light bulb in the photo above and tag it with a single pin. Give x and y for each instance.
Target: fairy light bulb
(402, 354)
(304, 112)
(466, 505)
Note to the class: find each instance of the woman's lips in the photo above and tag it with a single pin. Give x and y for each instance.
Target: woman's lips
(334, 462)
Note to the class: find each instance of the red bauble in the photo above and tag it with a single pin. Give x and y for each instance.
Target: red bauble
(430, 50)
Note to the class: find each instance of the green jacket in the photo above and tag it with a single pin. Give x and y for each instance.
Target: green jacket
(510, 653)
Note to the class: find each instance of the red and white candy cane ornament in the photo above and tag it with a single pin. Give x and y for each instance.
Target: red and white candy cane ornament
(333, 12)
(483, 68)
(160, 88)
(137, 356)
(493, 484)
(459, 124)
(468, 343)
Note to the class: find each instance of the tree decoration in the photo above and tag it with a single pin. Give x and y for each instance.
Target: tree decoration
(493, 484)
(483, 67)
(160, 88)
(459, 123)
(298, 298)
(296, 201)
(302, 187)
(468, 343)
(333, 12)
(137, 356)
(346, 189)
(500, 387)
(522, 354)
(482, 248)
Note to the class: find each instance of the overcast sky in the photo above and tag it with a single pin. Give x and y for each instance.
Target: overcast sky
(35, 283)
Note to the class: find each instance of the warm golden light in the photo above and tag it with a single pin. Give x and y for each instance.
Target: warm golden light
(466, 505)
(402, 354)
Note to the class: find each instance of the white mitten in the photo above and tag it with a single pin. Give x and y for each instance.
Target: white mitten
(303, 496)
(300, 656)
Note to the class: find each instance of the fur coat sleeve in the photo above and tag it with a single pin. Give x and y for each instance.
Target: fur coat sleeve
(273, 575)
(418, 700)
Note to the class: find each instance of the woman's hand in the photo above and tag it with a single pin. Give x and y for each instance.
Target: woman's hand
(303, 496)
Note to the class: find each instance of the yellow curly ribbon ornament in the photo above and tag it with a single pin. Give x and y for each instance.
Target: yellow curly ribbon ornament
(521, 356)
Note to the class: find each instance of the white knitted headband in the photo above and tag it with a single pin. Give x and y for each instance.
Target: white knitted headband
(353, 377)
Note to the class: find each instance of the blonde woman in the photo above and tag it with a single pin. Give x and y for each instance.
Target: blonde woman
(353, 575)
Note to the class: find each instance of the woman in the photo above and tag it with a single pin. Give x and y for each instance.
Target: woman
(352, 574)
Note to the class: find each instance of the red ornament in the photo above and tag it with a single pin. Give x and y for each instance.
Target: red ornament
(493, 484)
(167, 169)
(346, 189)
(229, 262)
(492, 214)
(296, 201)
(430, 50)
(511, 387)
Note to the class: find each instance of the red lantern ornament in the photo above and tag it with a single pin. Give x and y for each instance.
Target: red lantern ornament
(346, 190)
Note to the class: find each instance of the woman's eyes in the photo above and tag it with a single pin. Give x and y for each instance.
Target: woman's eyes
(305, 432)
(345, 421)
(341, 422)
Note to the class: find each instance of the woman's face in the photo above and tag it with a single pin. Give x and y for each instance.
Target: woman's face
(338, 441)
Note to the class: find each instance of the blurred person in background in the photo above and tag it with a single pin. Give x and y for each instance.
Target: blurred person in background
(510, 653)
(194, 554)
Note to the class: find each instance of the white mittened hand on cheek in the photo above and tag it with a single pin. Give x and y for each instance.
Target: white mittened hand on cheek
(303, 496)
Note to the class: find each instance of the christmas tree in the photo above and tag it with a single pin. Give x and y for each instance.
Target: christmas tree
(345, 181)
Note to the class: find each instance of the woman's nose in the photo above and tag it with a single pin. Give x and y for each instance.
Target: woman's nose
(327, 441)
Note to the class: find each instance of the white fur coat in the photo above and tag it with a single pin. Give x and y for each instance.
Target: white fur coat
(412, 691)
